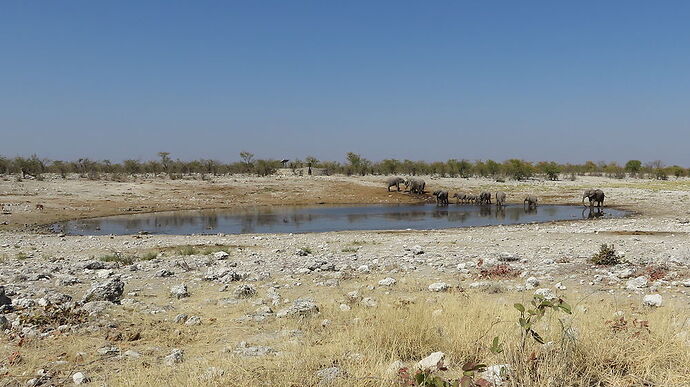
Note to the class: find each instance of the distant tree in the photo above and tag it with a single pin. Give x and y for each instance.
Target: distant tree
(165, 160)
(357, 164)
(312, 160)
(517, 169)
(493, 168)
(550, 169)
(633, 166)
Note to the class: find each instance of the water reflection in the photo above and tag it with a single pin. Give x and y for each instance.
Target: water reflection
(316, 219)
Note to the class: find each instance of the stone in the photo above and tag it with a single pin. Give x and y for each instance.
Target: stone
(432, 361)
(508, 257)
(329, 375)
(560, 286)
(636, 283)
(193, 320)
(163, 273)
(497, 374)
(417, 250)
(439, 287)
(363, 269)
(179, 291)
(244, 291)
(300, 308)
(95, 308)
(221, 255)
(653, 300)
(344, 308)
(368, 302)
(80, 378)
(387, 281)
(4, 323)
(531, 283)
(105, 291)
(132, 354)
(181, 318)
(546, 293)
(221, 274)
(254, 351)
(108, 351)
(175, 357)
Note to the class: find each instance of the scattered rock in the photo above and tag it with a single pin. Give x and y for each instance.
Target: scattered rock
(221, 255)
(175, 357)
(193, 320)
(80, 378)
(531, 283)
(636, 283)
(546, 293)
(179, 291)
(653, 300)
(439, 287)
(432, 361)
(106, 291)
(497, 375)
(244, 291)
(300, 308)
(387, 281)
(329, 375)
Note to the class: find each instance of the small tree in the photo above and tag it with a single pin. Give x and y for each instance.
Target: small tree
(633, 167)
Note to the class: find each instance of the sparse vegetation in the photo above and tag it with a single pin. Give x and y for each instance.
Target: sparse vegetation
(120, 258)
(606, 256)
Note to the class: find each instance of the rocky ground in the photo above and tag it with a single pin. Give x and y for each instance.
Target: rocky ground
(78, 309)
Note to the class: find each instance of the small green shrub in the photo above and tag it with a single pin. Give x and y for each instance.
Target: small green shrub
(149, 256)
(187, 250)
(119, 258)
(606, 256)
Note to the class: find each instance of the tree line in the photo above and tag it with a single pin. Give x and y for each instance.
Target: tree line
(354, 164)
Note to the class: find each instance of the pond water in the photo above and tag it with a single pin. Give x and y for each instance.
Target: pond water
(287, 219)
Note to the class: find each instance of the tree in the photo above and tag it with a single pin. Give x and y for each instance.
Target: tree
(165, 160)
(517, 169)
(633, 166)
(358, 164)
(550, 169)
(247, 157)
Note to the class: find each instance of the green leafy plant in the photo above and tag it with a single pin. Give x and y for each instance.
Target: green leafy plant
(529, 317)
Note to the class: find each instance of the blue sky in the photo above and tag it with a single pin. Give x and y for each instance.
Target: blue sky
(539, 80)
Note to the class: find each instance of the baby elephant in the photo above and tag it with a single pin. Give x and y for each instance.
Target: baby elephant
(500, 198)
(441, 198)
(394, 182)
(461, 198)
(531, 201)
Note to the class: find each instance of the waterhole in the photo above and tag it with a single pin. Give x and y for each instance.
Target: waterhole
(288, 219)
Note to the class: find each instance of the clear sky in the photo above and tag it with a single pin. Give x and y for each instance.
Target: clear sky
(428, 80)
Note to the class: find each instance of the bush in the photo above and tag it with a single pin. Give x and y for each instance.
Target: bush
(606, 256)
(119, 258)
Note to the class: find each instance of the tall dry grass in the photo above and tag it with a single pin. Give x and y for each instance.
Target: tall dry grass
(587, 348)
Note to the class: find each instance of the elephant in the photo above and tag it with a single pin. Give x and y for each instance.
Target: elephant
(394, 182)
(500, 198)
(415, 185)
(485, 197)
(441, 197)
(471, 198)
(594, 196)
(531, 201)
(461, 198)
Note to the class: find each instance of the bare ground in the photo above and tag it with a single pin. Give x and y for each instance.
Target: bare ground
(654, 241)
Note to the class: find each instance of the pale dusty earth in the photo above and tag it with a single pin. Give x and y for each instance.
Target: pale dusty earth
(35, 264)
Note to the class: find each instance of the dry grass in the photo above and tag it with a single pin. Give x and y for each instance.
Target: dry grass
(364, 341)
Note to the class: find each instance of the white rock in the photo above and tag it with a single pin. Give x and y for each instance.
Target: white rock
(368, 302)
(560, 286)
(654, 300)
(344, 308)
(497, 374)
(179, 291)
(531, 283)
(221, 255)
(175, 357)
(431, 362)
(80, 378)
(546, 293)
(636, 283)
(363, 269)
(439, 287)
(387, 281)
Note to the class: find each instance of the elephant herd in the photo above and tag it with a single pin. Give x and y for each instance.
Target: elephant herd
(416, 186)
